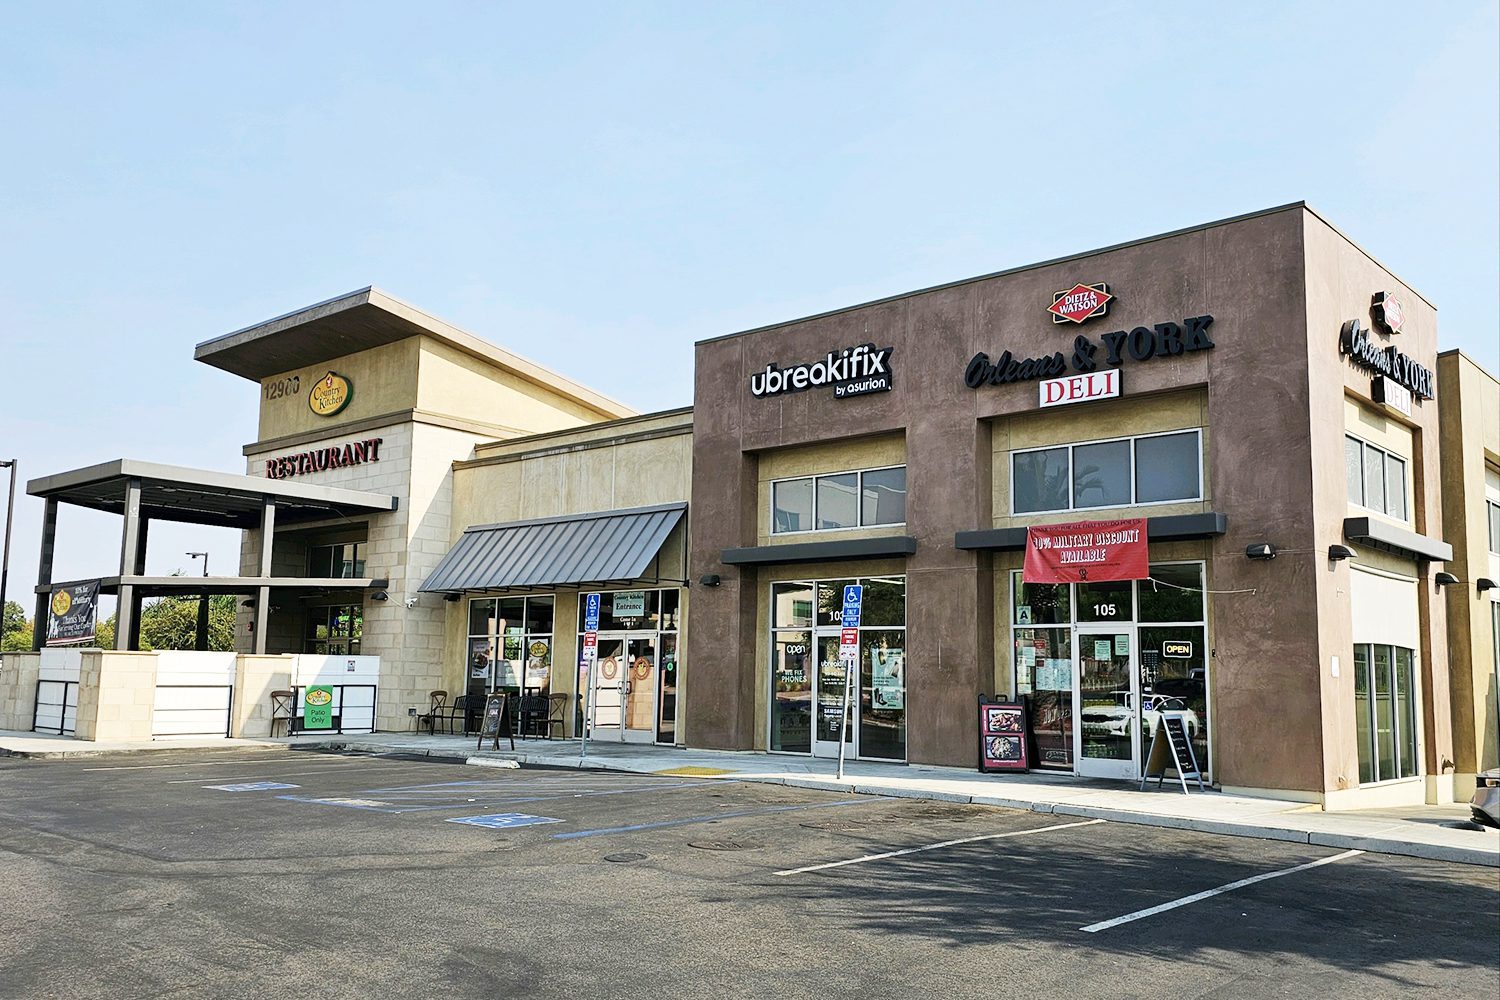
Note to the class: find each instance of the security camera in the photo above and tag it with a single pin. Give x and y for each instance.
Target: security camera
(411, 602)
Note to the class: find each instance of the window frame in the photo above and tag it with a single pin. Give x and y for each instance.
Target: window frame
(1398, 718)
(1387, 456)
(859, 507)
(1492, 518)
(1070, 446)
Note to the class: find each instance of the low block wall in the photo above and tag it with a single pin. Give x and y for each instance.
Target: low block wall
(18, 679)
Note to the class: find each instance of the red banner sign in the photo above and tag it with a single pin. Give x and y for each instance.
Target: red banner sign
(1086, 552)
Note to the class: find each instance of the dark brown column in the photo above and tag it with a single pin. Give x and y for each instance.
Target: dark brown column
(44, 575)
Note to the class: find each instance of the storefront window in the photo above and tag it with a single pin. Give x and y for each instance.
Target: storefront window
(650, 656)
(1376, 479)
(806, 673)
(859, 499)
(343, 561)
(510, 644)
(1169, 614)
(1159, 468)
(1385, 712)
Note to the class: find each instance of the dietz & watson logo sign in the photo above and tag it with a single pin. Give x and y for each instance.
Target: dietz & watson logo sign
(854, 371)
(1079, 303)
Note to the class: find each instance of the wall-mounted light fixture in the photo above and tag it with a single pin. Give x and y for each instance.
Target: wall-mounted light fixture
(380, 595)
(1261, 550)
(709, 580)
(1484, 583)
(1339, 552)
(1445, 579)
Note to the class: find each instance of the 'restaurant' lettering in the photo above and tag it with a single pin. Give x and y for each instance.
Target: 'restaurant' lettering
(323, 459)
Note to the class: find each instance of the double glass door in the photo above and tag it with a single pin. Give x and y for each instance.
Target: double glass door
(1106, 700)
(623, 699)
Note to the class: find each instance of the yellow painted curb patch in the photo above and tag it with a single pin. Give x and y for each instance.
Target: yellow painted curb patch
(695, 772)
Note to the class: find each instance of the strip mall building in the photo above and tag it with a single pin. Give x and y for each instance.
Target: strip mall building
(424, 511)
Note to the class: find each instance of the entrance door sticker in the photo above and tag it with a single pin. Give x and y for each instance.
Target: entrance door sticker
(503, 821)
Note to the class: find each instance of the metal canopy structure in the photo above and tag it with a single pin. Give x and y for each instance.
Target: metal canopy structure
(605, 547)
(202, 496)
(142, 492)
(1395, 539)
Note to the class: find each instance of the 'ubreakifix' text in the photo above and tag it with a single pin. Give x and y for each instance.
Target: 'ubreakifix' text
(854, 371)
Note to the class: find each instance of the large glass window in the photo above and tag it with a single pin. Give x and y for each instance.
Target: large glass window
(1376, 479)
(860, 499)
(1170, 610)
(510, 643)
(334, 630)
(805, 623)
(342, 561)
(1159, 468)
(1385, 712)
(1494, 512)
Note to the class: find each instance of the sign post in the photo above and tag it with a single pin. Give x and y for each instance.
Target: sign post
(849, 654)
(590, 654)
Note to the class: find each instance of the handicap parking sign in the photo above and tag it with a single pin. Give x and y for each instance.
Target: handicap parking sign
(853, 596)
(591, 613)
(504, 821)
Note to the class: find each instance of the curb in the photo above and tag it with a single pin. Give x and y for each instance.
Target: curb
(135, 751)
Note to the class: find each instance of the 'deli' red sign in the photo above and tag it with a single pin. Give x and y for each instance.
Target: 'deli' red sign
(1086, 551)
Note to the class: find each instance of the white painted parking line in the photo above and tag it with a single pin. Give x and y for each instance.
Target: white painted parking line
(278, 774)
(1151, 911)
(200, 763)
(933, 847)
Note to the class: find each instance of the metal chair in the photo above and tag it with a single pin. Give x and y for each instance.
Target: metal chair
(436, 702)
(284, 710)
(557, 715)
(530, 718)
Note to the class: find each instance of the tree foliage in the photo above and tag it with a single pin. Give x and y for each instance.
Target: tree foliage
(172, 623)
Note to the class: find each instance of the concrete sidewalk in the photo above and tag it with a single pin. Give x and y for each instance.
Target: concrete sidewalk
(1441, 833)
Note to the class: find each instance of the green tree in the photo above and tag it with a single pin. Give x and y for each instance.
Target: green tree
(15, 629)
(172, 623)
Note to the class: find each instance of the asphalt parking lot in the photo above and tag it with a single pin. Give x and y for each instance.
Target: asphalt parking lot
(316, 875)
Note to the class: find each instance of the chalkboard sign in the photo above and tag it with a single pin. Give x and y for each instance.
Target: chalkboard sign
(493, 723)
(1002, 736)
(1170, 745)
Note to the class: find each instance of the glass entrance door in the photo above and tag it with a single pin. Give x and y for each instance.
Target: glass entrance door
(623, 702)
(1107, 730)
(828, 701)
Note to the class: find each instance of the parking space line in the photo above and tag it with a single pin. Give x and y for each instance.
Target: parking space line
(1197, 896)
(932, 847)
(691, 820)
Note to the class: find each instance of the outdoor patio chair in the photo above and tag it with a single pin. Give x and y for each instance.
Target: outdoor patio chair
(437, 701)
(557, 715)
(284, 710)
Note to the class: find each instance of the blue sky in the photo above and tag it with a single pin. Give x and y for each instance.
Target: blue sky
(598, 185)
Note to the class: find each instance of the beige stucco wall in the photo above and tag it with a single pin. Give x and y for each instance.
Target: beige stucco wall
(255, 677)
(1470, 421)
(633, 462)
(461, 386)
(1340, 280)
(382, 382)
(824, 458)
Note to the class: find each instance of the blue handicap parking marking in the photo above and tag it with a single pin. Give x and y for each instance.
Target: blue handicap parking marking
(504, 821)
(252, 786)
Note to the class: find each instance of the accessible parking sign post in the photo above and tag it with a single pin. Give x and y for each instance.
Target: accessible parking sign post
(590, 654)
(849, 654)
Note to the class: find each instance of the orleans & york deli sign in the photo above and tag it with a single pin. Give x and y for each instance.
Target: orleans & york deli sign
(1086, 552)
(1164, 340)
(322, 459)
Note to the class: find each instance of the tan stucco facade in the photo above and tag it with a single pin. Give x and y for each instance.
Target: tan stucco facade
(1470, 425)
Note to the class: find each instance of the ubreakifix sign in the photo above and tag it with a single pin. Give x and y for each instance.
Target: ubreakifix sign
(338, 456)
(854, 371)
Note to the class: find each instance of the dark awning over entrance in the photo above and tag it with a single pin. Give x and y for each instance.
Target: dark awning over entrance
(611, 546)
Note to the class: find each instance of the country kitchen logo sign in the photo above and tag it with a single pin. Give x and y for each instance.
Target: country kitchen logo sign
(854, 371)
